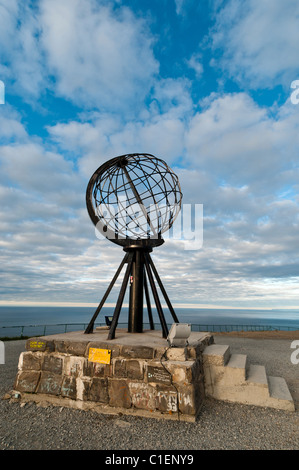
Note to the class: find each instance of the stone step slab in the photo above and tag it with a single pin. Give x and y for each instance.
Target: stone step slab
(236, 368)
(257, 375)
(216, 354)
(279, 392)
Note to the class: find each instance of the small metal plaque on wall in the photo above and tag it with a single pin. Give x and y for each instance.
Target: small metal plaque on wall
(158, 375)
(103, 356)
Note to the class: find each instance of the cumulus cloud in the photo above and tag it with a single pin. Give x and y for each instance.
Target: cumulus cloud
(258, 40)
(21, 54)
(158, 130)
(241, 142)
(93, 54)
(99, 56)
(195, 63)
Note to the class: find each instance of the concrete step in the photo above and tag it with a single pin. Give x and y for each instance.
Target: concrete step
(236, 369)
(279, 392)
(216, 354)
(257, 375)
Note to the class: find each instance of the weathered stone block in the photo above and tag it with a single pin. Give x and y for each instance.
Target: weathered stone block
(50, 383)
(197, 371)
(88, 368)
(188, 403)
(52, 364)
(26, 381)
(137, 352)
(199, 390)
(30, 361)
(119, 368)
(37, 344)
(74, 348)
(176, 354)
(69, 388)
(166, 399)
(95, 369)
(83, 385)
(74, 365)
(134, 369)
(103, 370)
(181, 372)
(119, 394)
(98, 390)
(194, 352)
(142, 395)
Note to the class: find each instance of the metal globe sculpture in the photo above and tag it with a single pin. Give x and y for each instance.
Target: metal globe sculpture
(132, 199)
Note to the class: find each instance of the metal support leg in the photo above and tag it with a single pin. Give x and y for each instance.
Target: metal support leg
(90, 326)
(156, 297)
(148, 303)
(162, 288)
(120, 299)
(135, 322)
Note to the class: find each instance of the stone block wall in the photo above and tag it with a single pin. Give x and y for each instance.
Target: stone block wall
(155, 380)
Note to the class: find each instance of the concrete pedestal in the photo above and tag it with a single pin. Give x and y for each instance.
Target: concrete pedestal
(133, 374)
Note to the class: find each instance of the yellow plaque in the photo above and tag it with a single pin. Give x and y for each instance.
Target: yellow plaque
(102, 356)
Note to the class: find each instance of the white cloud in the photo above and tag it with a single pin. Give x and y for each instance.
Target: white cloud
(259, 41)
(83, 50)
(100, 57)
(10, 126)
(240, 142)
(20, 53)
(159, 130)
(173, 97)
(179, 6)
(195, 63)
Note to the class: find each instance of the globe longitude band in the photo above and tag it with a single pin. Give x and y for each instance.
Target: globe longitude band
(146, 197)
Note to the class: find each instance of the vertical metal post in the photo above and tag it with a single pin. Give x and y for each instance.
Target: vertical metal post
(135, 322)
(89, 328)
(120, 299)
(148, 303)
(175, 318)
(157, 300)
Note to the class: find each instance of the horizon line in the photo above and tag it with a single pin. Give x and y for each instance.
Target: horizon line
(12, 303)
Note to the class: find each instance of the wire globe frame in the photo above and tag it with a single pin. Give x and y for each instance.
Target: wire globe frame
(134, 198)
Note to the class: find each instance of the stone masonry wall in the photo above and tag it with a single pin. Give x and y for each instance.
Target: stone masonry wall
(138, 377)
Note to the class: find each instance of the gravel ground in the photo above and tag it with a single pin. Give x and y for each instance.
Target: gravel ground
(220, 425)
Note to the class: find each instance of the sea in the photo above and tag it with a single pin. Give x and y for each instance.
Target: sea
(31, 321)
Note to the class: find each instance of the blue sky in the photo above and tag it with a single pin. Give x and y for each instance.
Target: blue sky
(206, 86)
